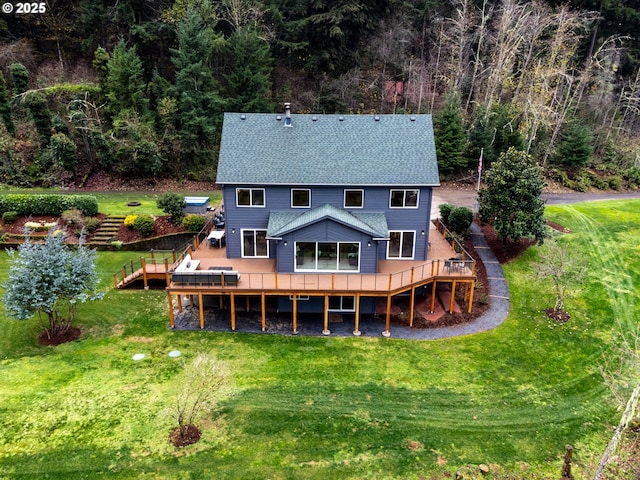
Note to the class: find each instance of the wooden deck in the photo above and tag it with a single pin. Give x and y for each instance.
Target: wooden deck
(258, 277)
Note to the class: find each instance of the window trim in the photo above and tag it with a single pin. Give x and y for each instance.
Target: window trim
(404, 197)
(413, 246)
(254, 230)
(337, 270)
(308, 190)
(251, 204)
(344, 197)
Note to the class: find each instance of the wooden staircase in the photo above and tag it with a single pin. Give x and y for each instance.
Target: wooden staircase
(107, 232)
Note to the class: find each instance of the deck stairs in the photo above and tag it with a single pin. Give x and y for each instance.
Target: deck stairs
(108, 230)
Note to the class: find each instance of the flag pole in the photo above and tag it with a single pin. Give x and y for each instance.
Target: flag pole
(479, 169)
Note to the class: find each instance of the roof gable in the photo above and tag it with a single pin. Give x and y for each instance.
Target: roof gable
(355, 150)
(281, 223)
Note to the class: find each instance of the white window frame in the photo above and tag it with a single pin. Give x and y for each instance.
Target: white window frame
(299, 297)
(344, 199)
(254, 230)
(342, 309)
(404, 197)
(308, 190)
(251, 204)
(337, 270)
(413, 246)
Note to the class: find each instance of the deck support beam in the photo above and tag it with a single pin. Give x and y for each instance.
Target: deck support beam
(232, 307)
(432, 308)
(473, 286)
(453, 296)
(145, 282)
(263, 312)
(295, 314)
(387, 321)
(325, 330)
(201, 305)
(356, 331)
(172, 319)
(412, 302)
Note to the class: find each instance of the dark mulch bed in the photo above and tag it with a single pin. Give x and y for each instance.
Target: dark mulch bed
(162, 226)
(183, 436)
(71, 335)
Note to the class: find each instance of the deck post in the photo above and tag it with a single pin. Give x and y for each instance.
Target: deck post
(172, 320)
(412, 269)
(412, 302)
(325, 330)
(390, 279)
(295, 314)
(357, 332)
(201, 304)
(115, 281)
(167, 277)
(232, 307)
(386, 332)
(453, 295)
(153, 257)
(433, 296)
(179, 302)
(262, 309)
(473, 285)
(175, 257)
(248, 303)
(143, 262)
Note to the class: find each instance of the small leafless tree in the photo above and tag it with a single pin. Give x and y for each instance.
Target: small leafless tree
(565, 270)
(203, 384)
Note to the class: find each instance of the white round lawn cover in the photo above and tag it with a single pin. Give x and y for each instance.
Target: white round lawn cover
(175, 353)
(138, 356)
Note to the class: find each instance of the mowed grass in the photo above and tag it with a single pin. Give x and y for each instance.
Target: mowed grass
(328, 407)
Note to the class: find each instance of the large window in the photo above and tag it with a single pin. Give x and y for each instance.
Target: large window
(327, 256)
(401, 244)
(255, 243)
(250, 197)
(353, 198)
(342, 304)
(300, 198)
(404, 198)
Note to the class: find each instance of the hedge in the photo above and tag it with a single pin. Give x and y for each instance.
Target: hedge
(40, 204)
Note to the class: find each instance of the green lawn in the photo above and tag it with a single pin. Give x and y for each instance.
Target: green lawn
(327, 407)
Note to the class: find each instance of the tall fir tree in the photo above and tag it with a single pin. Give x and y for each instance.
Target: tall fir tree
(196, 90)
(124, 84)
(450, 136)
(576, 147)
(249, 83)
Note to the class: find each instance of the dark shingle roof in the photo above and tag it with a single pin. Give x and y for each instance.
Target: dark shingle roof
(355, 150)
(281, 223)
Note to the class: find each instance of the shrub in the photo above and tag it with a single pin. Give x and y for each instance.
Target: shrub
(10, 217)
(129, 220)
(193, 222)
(42, 204)
(92, 224)
(445, 211)
(615, 182)
(73, 217)
(144, 224)
(460, 218)
(172, 204)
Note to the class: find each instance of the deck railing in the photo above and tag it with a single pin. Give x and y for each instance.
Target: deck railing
(452, 238)
(373, 282)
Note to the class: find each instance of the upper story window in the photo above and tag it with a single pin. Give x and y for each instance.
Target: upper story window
(300, 198)
(404, 199)
(353, 198)
(250, 197)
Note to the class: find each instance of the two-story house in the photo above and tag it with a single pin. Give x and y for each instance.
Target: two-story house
(327, 214)
(327, 193)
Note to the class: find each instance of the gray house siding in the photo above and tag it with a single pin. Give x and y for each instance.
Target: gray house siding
(326, 231)
(278, 198)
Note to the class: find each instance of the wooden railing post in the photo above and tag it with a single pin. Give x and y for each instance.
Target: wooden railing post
(175, 257)
(153, 259)
(167, 277)
(143, 262)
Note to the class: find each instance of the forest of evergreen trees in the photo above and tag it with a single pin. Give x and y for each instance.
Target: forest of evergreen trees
(137, 88)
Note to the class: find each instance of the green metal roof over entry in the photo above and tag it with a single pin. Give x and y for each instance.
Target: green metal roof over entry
(353, 150)
(281, 223)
